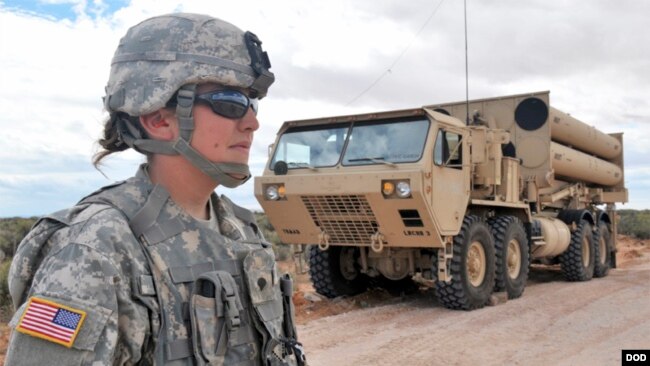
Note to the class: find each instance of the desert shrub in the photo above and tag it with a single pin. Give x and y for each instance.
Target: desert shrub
(282, 251)
(634, 223)
(12, 231)
(5, 299)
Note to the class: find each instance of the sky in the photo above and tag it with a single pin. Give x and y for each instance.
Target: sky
(329, 58)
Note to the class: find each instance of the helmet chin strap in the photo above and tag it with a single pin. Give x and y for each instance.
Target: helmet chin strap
(220, 172)
(230, 175)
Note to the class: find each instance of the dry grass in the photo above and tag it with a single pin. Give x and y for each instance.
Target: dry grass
(4, 340)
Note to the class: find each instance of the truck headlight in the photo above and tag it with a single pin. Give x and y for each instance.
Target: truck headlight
(403, 189)
(274, 192)
(394, 188)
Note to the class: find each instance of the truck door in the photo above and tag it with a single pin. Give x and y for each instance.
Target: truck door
(450, 186)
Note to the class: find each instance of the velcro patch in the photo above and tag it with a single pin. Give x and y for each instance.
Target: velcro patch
(51, 321)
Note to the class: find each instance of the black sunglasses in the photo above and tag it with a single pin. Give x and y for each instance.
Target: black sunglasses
(228, 103)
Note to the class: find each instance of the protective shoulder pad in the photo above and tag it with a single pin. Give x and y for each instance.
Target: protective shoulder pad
(126, 198)
(104, 188)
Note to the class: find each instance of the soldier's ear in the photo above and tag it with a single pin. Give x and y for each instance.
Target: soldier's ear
(160, 125)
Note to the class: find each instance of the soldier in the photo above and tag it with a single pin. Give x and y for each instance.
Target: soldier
(158, 269)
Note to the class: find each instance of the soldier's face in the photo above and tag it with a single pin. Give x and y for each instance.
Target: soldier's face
(222, 139)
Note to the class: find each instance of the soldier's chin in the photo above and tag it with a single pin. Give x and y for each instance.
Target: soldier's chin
(236, 176)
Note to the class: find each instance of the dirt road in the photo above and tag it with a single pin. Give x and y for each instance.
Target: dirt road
(554, 323)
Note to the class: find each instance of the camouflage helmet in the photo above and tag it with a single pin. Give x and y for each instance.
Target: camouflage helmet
(159, 55)
(169, 56)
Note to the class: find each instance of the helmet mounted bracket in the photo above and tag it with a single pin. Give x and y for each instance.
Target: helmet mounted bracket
(260, 63)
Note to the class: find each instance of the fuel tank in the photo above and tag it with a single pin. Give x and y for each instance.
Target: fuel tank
(557, 237)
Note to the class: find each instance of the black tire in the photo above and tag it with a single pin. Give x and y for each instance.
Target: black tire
(471, 283)
(603, 244)
(512, 255)
(326, 274)
(579, 260)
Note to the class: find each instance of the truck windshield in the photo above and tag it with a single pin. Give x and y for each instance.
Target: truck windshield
(384, 142)
(305, 147)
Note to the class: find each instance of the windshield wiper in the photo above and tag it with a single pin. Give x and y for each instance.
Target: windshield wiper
(301, 165)
(377, 160)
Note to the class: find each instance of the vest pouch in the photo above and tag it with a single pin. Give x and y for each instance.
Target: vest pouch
(266, 298)
(215, 313)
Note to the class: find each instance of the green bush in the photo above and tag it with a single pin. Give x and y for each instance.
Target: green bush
(12, 231)
(5, 299)
(281, 250)
(4, 276)
(634, 223)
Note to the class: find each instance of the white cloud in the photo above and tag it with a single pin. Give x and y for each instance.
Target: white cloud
(592, 55)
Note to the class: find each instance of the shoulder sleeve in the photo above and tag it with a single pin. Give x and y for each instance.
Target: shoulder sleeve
(80, 309)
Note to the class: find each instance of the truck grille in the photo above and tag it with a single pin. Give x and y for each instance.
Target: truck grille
(348, 219)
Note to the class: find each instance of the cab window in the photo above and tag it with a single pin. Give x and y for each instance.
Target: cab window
(448, 150)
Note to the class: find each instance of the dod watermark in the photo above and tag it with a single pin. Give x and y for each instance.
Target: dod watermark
(635, 357)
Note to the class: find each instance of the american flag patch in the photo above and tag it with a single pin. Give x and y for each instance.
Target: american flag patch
(51, 321)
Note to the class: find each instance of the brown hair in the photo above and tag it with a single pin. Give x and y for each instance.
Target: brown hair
(112, 141)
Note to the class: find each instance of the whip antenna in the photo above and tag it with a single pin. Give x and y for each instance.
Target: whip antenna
(466, 67)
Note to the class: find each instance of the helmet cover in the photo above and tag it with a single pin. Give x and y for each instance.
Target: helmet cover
(159, 55)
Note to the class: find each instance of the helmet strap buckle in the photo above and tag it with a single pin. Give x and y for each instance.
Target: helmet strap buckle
(184, 104)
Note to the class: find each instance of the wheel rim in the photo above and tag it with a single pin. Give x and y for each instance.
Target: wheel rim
(476, 263)
(602, 246)
(585, 252)
(513, 259)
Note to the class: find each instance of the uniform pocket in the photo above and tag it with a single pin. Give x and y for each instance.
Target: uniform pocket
(261, 275)
(264, 289)
(215, 312)
(266, 298)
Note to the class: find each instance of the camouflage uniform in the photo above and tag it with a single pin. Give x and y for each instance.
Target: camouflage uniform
(126, 276)
(97, 265)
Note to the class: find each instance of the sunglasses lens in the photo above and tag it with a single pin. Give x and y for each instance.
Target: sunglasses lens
(229, 109)
(229, 103)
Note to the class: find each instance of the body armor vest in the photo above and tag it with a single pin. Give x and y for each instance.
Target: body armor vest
(214, 299)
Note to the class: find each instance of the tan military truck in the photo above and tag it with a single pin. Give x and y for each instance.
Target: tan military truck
(468, 202)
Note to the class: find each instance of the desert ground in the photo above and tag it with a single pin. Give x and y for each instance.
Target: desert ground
(553, 323)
